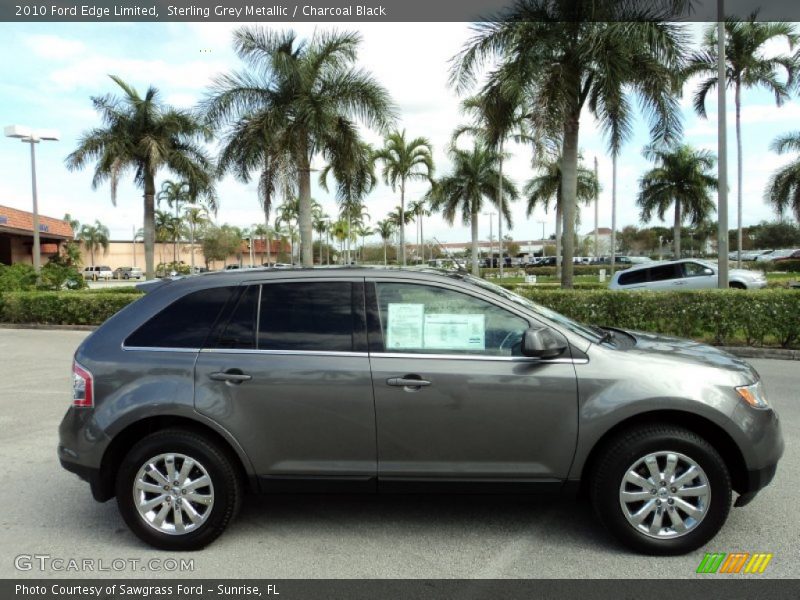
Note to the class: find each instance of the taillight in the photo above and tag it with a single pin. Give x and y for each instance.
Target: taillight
(82, 387)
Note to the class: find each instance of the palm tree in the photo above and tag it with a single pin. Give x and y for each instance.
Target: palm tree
(94, 237)
(568, 56)
(74, 224)
(195, 217)
(143, 135)
(386, 230)
(321, 226)
(680, 179)
(405, 161)
(399, 218)
(419, 208)
(746, 67)
(174, 193)
(498, 114)
(168, 229)
(783, 190)
(363, 231)
(547, 187)
(475, 176)
(287, 218)
(308, 95)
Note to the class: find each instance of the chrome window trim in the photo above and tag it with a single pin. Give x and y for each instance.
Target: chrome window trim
(524, 359)
(157, 349)
(285, 352)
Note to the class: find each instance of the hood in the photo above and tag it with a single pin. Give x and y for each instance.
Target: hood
(678, 350)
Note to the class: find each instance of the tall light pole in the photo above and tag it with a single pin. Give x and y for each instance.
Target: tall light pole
(596, 212)
(542, 222)
(33, 137)
(722, 152)
(491, 238)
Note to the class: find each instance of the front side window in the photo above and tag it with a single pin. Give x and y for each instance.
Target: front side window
(694, 270)
(311, 316)
(186, 323)
(423, 319)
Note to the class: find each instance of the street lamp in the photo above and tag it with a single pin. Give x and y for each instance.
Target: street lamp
(491, 238)
(542, 222)
(33, 137)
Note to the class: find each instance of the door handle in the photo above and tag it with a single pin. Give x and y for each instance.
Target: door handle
(234, 376)
(407, 382)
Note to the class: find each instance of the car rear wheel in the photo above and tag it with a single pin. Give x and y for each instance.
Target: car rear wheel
(178, 490)
(661, 490)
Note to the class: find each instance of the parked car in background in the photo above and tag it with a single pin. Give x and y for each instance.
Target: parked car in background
(774, 255)
(97, 273)
(128, 273)
(793, 256)
(685, 274)
(393, 380)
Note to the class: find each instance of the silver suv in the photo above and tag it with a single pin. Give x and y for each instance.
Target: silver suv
(686, 274)
(362, 380)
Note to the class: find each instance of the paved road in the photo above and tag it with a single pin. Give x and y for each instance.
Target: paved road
(49, 511)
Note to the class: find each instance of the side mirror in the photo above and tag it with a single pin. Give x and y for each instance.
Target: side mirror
(708, 271)
(542, 342)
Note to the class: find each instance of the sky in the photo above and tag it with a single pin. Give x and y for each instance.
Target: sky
(50, 72)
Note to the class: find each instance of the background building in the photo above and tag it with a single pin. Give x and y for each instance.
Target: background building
(16, 236)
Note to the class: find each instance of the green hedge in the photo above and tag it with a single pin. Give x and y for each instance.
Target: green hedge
(61, 308)
(728, 317)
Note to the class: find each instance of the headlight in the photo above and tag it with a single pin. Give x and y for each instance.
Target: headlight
(754, 395)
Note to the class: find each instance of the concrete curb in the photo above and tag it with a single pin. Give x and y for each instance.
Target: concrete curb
(46, 326)
(750, 352)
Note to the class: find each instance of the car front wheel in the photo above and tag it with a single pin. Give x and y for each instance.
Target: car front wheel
(178, 490)
(661, 490)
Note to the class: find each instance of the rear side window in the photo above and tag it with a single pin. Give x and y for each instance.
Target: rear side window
(633, 277)
(313, 316)
(665, 272)
(185, 323)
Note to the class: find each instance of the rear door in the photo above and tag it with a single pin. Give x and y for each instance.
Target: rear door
(456, 403)
(288, 375)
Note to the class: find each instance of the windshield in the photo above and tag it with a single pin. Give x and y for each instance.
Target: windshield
(573, 326)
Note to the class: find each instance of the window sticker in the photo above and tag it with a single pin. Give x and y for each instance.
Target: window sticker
(404, 329)
(454, 332)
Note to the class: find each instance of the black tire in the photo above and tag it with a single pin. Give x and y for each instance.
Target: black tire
(735, 285)
(633, 444)
(227, 487)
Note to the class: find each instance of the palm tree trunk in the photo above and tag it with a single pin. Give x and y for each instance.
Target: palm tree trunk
(559, 227)
(385, 262)
(91, 249)
(421, 239)
(266, 230)
(304, 189)
(500, 211)
(738, 100)
(149, 224)
(569, 190)
(475, 269)
(403, 222)
(676, 231)
(613, 212)
(175, 239)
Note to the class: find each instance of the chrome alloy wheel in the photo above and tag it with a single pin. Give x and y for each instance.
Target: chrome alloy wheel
(173, 493)
(665, 495)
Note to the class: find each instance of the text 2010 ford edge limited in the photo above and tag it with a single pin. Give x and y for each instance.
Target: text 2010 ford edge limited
(381, 380)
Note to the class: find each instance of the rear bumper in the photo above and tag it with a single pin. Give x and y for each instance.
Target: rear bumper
(99, 487)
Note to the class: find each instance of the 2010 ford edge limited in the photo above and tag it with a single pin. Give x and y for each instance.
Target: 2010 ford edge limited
(387, 380)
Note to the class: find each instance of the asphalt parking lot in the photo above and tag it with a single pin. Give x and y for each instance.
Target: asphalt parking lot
(47, 511)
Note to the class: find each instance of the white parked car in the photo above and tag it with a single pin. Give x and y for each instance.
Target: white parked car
(686, 274)
(775, 254)
(97, 273)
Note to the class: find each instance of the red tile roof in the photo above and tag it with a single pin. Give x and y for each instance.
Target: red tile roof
(12, 218)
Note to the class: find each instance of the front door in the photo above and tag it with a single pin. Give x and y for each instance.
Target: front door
(455, 401)
(288, 375)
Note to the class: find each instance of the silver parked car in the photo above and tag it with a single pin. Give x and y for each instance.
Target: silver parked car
(382, 380)
(685, 274)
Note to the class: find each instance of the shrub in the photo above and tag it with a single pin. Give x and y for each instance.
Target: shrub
(16, 278)
(719, 316)
(61, 308)
(55, 276)
(791, 266)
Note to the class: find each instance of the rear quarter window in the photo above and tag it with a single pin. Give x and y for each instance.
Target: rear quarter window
(186, 323)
